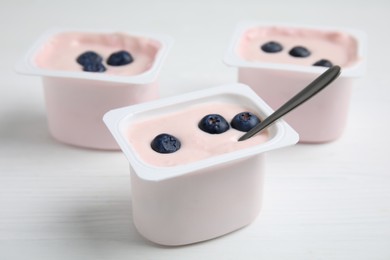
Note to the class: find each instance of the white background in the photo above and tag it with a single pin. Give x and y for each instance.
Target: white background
(329, 201)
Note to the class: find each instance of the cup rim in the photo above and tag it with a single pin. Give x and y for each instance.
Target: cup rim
(26, 64)
(231, 58)
(114, 119)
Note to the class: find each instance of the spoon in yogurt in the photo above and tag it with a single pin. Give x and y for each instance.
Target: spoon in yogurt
(305, 94)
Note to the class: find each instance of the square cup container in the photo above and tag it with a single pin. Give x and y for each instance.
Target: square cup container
(276, 77)
(203, 199)
(77, 100)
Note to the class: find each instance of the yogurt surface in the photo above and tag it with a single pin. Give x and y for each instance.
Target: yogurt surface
(195, 143)
(61, 51)
(338, 47)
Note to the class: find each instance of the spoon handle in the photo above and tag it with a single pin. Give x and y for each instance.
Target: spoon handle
(312, 89)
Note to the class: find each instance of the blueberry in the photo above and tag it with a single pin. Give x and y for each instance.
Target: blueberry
(89, 57)
(299, 52)
(165, 143)
(323, 63)
(120, 58)
(213, 124)
(271, 47)
(94, 67)
(244, 121)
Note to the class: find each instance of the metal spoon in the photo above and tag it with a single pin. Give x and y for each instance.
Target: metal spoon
(312, 89)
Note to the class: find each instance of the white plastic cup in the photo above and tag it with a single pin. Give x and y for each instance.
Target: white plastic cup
(201, 200)
(77, 100)
(324, 117)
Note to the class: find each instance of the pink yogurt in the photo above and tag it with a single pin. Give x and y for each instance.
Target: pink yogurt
(196, 144)
(338, 47)
(143, 50)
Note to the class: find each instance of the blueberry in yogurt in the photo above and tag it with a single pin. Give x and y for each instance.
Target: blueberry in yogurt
(165, 143)
(94, 67)
(244, 121)
(323, 63)
(120, 58)
(299, 52)
(89, 57)
(272, 47)
(91, 62)
(213, 124)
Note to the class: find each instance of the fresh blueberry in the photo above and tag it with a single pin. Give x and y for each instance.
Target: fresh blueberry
(94, 67)
(244, 121)
(213, 124)
(323, 63)
(272, 47)
(299, 52)
(120, 58)
(89, 57)
(165, 143)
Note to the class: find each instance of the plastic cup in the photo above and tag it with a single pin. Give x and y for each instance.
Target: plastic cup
(75, 99)
(276, 77)
(199, 200)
